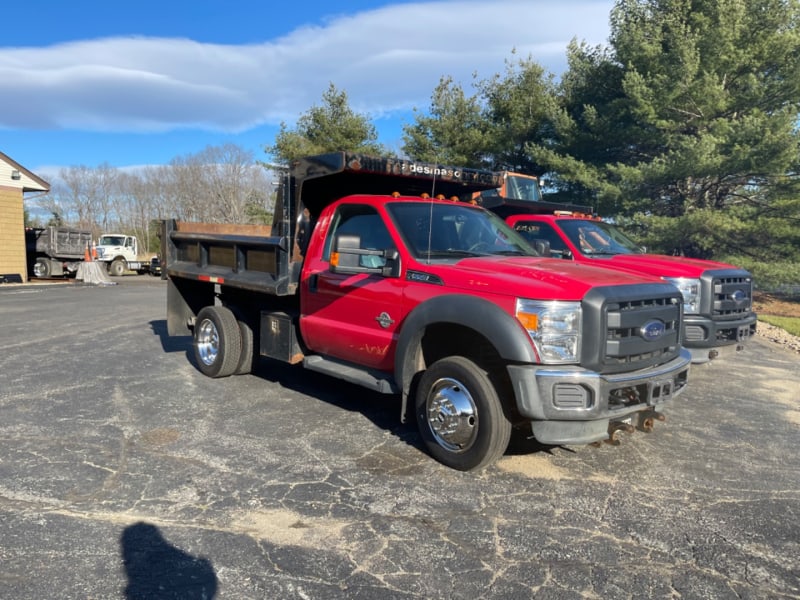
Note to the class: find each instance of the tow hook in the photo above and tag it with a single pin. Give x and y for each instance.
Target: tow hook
(647, 420)
(615, 430)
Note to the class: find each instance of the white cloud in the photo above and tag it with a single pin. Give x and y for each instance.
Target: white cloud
(386, 60)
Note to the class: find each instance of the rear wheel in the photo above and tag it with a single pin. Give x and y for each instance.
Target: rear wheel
(460, 416)
(248, 352)
(41, 268)
(217, 341)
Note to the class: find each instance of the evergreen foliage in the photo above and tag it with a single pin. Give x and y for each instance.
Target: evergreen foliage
(453, 132)
(327, 128)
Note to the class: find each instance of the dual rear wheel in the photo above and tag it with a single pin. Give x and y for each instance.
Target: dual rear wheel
(42, 268)
(223, 345)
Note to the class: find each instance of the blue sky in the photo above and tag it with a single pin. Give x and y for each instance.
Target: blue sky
(128, 84)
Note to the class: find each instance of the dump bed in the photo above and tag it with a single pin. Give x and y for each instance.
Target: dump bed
(247, 256)
(268, 258)
(58, 242)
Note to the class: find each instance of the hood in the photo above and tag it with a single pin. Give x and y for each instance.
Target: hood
(661, 265)
(532, 277)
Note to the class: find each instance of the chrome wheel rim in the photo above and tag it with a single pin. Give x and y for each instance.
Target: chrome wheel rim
(451, 415)
(208, 342)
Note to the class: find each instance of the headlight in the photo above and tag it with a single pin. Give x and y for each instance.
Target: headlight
(554, 327)
(690, 288)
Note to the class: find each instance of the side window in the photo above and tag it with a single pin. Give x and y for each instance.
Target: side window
(366, 223)
(534, 232)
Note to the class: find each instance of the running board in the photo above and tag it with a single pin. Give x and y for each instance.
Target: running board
(373, 380)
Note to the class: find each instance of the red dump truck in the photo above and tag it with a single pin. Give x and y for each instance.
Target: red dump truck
(372, 273)
(717, 297)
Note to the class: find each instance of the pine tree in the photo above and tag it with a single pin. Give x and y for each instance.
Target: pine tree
(330, 127)
(453, 132)
(694, 106)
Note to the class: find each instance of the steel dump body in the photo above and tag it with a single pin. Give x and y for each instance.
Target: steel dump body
(58, 242)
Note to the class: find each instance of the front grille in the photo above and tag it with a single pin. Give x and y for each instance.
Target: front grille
(731, 294)
(622, 316)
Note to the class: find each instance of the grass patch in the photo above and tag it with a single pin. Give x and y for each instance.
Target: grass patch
(790, 324)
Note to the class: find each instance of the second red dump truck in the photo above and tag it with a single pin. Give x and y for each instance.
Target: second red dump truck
(717, 297)
(367, 276)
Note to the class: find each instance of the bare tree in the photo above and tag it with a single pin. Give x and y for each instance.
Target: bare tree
(220, 184)
(217, 184)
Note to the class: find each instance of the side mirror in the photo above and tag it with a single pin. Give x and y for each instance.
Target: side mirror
(349, 258)
(346, 253)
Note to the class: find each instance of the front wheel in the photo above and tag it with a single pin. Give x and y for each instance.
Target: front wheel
(117, 268)
(460, 416)
(217, 341)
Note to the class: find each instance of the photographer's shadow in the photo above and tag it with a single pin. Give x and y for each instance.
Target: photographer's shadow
(157, 570)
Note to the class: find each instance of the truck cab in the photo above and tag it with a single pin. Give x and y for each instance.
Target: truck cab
(121, 253)
(717, 297)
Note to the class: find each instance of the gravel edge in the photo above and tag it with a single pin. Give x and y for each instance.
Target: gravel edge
(779, 336)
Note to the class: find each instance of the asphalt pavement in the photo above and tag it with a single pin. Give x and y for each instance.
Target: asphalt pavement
(126, 473)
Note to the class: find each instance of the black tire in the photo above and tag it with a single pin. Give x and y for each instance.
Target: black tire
(217, 341)
(41, 268)
(460, 416)
(248, 352)
(116, 268)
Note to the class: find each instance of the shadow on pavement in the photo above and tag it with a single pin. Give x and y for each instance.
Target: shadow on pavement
(157, 570)
(178, 343)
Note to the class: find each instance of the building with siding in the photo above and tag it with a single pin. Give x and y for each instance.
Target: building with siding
(15, 181)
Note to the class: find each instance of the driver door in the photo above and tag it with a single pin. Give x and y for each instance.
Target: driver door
(353, 317)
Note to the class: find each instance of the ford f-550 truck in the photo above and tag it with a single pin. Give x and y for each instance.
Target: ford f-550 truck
(717, 297)
(371, 273)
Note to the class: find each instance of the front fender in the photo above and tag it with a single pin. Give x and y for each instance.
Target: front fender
(503, 330)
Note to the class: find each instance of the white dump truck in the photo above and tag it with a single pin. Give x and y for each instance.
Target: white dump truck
(122, 253)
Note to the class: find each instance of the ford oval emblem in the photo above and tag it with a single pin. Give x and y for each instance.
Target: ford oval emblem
(738, 296)
(652, 330)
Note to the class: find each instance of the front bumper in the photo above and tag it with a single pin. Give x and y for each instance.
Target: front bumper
(571, 405)
(707, 339)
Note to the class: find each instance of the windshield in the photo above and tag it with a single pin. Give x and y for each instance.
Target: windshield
(598, 238)
(523, 188)
(452, 230)
(111, 240)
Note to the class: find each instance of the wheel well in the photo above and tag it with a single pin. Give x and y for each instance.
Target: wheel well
(448, 339)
